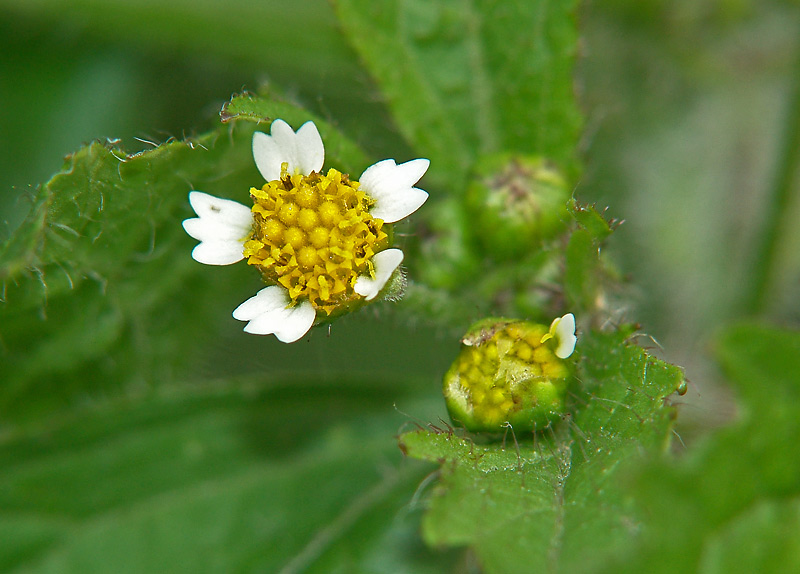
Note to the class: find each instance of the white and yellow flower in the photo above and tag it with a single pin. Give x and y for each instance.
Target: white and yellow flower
(321, 240)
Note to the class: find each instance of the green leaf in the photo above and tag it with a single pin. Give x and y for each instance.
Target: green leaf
(761, 539)
(220, 476)
(466, 77)
(98, 286)
(594, 222)
(581, 277)
(585, 271)
(731, 503)
(557, 504)
(100, 262)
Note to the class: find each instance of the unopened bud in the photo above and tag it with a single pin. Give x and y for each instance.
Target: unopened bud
(516, 202)
(508, 372)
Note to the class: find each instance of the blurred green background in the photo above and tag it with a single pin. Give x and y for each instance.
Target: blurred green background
(690, 108)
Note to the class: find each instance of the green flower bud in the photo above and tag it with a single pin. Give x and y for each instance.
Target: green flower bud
(515, 203)
(508, 371)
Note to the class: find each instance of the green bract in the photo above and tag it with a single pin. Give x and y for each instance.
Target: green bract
(516, 202)
(505, 374)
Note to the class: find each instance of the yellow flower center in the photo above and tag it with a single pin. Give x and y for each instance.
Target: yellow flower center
(496, 373)
(314, 236)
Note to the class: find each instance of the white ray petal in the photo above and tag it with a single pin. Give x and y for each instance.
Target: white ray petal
(218, 252)
(268, 312)
(222, 211)
(303, 151)
(222, 227)
(300, 320)
(385, 264)
(410, 172)
(267, 156)
(267, 323)
(387, 174)
(391, 186)
(565, 335)
(268, 299)
(399, 205)
(285, 140)
(310, 149)
(207, 229)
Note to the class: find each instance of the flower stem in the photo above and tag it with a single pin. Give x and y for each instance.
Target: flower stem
(776, 223)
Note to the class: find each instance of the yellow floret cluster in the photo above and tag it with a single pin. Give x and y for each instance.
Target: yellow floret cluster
(314, 235)
(505, 373)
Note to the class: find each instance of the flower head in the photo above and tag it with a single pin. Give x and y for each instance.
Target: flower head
(321, 240)
(506, 374)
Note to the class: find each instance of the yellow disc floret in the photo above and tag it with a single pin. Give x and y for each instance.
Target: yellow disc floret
(505, 374)
(314, 235)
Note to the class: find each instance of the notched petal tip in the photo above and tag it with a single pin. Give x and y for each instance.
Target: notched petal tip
(190, 226)
(303, 151)
(391, 186)
(399, 205)
(389, 174)
(297, 324)
(197, 198)
(413, 170)
(280, 128)
(269, 313)
(310, 149)
(567, 324)
(266, 300)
